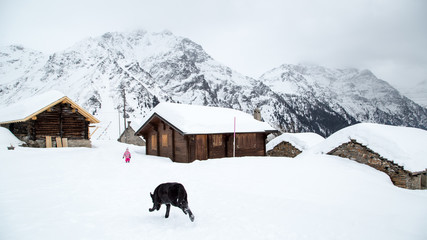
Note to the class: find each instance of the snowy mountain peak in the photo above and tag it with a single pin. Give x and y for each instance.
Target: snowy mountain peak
(157, 67)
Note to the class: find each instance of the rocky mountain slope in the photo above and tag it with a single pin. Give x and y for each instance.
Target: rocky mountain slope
(358, 93)
(154, 67)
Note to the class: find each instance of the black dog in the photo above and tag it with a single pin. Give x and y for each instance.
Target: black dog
(171, 193)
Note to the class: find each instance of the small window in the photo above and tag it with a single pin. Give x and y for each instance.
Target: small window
(217, 140)
(164, 140)
(154, 142)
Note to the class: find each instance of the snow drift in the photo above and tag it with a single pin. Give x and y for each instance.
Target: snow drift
(90, 193)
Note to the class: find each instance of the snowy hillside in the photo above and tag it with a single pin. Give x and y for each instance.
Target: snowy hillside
(83, 193)
(157, 67)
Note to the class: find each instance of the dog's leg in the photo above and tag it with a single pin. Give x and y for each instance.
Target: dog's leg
(190, 214)
(168, 208)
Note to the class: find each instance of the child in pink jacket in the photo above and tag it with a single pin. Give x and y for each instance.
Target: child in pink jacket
(127, 155)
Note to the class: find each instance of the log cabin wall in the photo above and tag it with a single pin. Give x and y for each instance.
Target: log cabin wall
(180, 148)
(165, 140)
(152, 143)
(22, 130)
(74, 125)
(47, 123)
(247, 144)
(63, 121)
(217, 145)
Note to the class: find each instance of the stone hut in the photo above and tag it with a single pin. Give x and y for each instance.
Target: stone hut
(399, 152)
(292, 144)
(128, 136)
(398, 175)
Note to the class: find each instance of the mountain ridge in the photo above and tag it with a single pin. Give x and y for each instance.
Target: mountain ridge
(155, 67)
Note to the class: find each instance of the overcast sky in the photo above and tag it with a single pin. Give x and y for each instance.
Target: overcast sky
(388, 37)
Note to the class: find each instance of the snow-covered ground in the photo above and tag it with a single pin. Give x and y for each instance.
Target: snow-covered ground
(83, 193)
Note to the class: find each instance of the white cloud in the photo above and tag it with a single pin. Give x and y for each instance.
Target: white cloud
(252, 37)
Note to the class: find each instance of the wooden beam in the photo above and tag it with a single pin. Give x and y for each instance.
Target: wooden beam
(173, 145)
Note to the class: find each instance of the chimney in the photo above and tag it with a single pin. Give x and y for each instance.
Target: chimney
(257, 114)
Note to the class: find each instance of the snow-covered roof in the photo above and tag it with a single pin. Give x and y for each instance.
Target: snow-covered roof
(7, 138)
(195, 119)
(403, 145)
(302, 141)
(30, 107)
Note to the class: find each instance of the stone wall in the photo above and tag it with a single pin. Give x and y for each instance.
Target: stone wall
(128, 136)
(399, 176)
(284, 149)
(41, 143)
(79, 143)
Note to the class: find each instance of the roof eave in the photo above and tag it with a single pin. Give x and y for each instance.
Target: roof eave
(83, 112)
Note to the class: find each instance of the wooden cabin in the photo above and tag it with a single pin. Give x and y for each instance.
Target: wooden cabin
(49, 119)
(185, 133)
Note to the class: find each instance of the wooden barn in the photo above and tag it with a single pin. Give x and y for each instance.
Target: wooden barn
(49, 119)
(292, 144)
(185, 133)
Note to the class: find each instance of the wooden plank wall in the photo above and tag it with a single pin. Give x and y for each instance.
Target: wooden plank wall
(247, 144)
(61, 116)
(165, 140)
(181, 148)
(217, 145)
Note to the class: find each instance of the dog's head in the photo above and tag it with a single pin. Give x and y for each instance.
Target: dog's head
(156, 204)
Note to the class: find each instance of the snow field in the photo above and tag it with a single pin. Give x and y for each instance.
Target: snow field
(82, 193)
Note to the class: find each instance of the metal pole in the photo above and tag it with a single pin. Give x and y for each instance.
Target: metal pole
(124, 108)
(120, 131)
(234, 138)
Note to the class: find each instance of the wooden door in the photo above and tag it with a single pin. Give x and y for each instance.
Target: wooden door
(201, 147)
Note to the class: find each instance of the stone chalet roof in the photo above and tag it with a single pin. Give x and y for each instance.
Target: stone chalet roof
(301, 141)
(404, 146)
(195, 119)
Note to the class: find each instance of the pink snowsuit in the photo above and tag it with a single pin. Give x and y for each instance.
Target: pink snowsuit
(127, 155)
